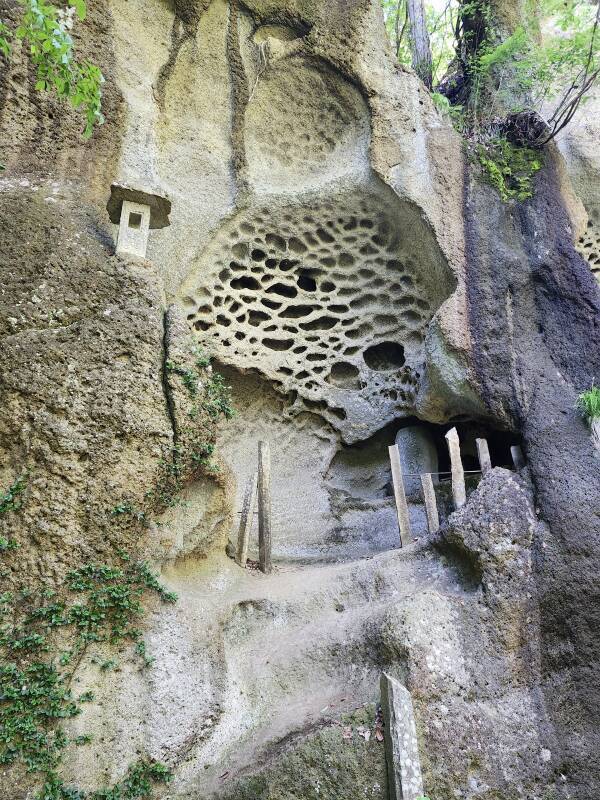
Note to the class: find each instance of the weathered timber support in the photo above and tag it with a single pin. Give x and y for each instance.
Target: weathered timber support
(246, 520)
(459, 491)
(401, 746)
(400, 497)
(517, 457)
(433, 519)
(483, 451)
(264, 507)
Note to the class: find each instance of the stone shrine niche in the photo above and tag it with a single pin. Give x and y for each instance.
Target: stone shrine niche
(136, 212)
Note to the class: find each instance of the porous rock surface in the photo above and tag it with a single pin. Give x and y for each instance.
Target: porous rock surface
(330, 247)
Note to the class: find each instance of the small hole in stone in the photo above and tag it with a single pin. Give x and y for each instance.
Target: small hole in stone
(275, 241)
(384, 357)
(307, 283)
(296, 246)
(240, 250)
(320, 324)
(244, 282)
(295, 312)
(344, 375)
(270, 304)
(135, 221)
(283, 289)
(278, 344)
(256, 317)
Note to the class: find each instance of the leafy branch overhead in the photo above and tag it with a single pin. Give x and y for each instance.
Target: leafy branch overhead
(45, 31)
(508, 87)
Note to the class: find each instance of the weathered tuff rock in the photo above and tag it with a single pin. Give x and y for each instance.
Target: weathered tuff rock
(324, 222)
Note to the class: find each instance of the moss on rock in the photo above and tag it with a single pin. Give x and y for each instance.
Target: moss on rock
(335, 763)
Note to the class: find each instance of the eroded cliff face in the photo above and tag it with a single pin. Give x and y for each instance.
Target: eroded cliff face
(332, 251)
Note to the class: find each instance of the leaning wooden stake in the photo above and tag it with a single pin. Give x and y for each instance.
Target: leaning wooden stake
(246, 519)
(459, 491)
(517, 457)
(483, 452)
(433, 520)
(264, 507)
(401, 504)
(405, 781)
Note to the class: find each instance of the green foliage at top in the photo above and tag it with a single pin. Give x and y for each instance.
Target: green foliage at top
(45, 30)
(551, 60)
(441, 25)
(104, 603)
(589, 403)
(531, 68)
(510, 169)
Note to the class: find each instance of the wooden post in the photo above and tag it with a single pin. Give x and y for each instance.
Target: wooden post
(459, 491)
(246, 520)
(433, 520)
(264, 507)
(400, 496)
(405, 781)
(483, 452)
(517, 457)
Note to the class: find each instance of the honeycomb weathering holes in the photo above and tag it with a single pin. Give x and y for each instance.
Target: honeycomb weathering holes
(589, 247)
(326, 299)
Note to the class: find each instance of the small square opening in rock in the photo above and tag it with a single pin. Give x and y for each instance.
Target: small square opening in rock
(135, 220)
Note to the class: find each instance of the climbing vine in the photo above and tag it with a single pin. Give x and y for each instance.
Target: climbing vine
(194, 445)
(99, 604)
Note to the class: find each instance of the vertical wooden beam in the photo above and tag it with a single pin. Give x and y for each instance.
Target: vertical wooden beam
(264, 507)
(400, 496)
(405, 781)
(483, 452)
(433, 519)
(246, 519)
(517, 457)
(459, 491)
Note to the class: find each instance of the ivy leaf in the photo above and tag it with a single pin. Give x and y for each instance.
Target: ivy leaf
(79, 6)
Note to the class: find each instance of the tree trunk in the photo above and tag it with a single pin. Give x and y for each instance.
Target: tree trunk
(419, 41)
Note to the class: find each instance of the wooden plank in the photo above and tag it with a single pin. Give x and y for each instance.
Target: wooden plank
(246, 519)
(400, 497)
(517, 457)
(459, 491)
(405, 781)
(433, 519)
(483, 451)
(264, 508)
